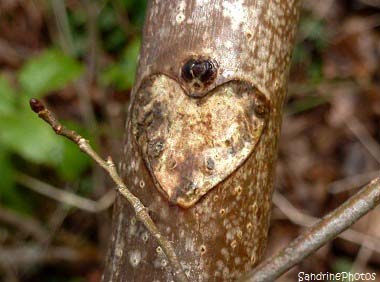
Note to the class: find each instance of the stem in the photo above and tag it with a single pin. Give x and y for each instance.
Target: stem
(319, 234)
(109, 167)
(66, 197)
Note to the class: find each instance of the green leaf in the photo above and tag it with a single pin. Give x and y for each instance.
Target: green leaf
(7, 97)
(122, 74)
(49, 71)
(24, 134)
(29, 137)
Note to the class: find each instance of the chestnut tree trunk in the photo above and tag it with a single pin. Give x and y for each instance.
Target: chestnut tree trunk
(201, 137)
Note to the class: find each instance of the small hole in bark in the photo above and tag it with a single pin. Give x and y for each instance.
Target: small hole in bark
(172, 164)
(238, 190)
(191, 187)
(135, 258)
(145, 237)
(260, 106)
(210, 164)
(164, 263)
(155, 148)
(200, 69)
(222, 212)
(203, 249)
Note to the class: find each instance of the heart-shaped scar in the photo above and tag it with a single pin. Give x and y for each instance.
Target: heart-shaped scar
(192, 144)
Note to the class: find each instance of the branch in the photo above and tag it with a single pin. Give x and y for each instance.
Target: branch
(351, 182)
(66, 197)
(299, 218)
(109, 167)
(364, 137)
(319, 234)
(29, 255)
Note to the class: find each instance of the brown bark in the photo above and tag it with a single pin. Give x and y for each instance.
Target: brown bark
(201, 137)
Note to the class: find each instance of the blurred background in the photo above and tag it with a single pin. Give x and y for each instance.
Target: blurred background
(80, 57)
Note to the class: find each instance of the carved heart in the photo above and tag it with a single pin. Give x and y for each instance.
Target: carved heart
(190, 145)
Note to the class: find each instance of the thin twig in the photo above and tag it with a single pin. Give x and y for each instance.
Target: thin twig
(66, 197)
(66, 42)
(372, 146)
(319, 234)
(92, 40)
(373, 3)
(25, 256)
(364, 254)
(65, 36)
(109, 167)
(362, 259)
(364, 137)
(298, 217)
(351, 182)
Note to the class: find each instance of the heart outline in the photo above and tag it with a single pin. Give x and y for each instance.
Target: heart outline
(161, 113)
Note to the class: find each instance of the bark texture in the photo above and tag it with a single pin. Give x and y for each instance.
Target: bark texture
(201, 140)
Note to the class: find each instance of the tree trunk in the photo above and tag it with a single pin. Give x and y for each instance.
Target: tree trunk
(201, 137)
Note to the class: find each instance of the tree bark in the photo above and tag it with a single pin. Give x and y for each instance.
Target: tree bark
(201, 137)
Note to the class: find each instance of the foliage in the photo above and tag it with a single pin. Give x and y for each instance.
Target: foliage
(23, 134)
(24, 139)
(49, 71)
(122, 74)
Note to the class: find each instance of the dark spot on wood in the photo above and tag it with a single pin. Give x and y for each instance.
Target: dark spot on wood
(203, 70)
(172, 164)
(210, 164)
(199, 73)
(155, 148)
(260, 106)
(196, 85)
